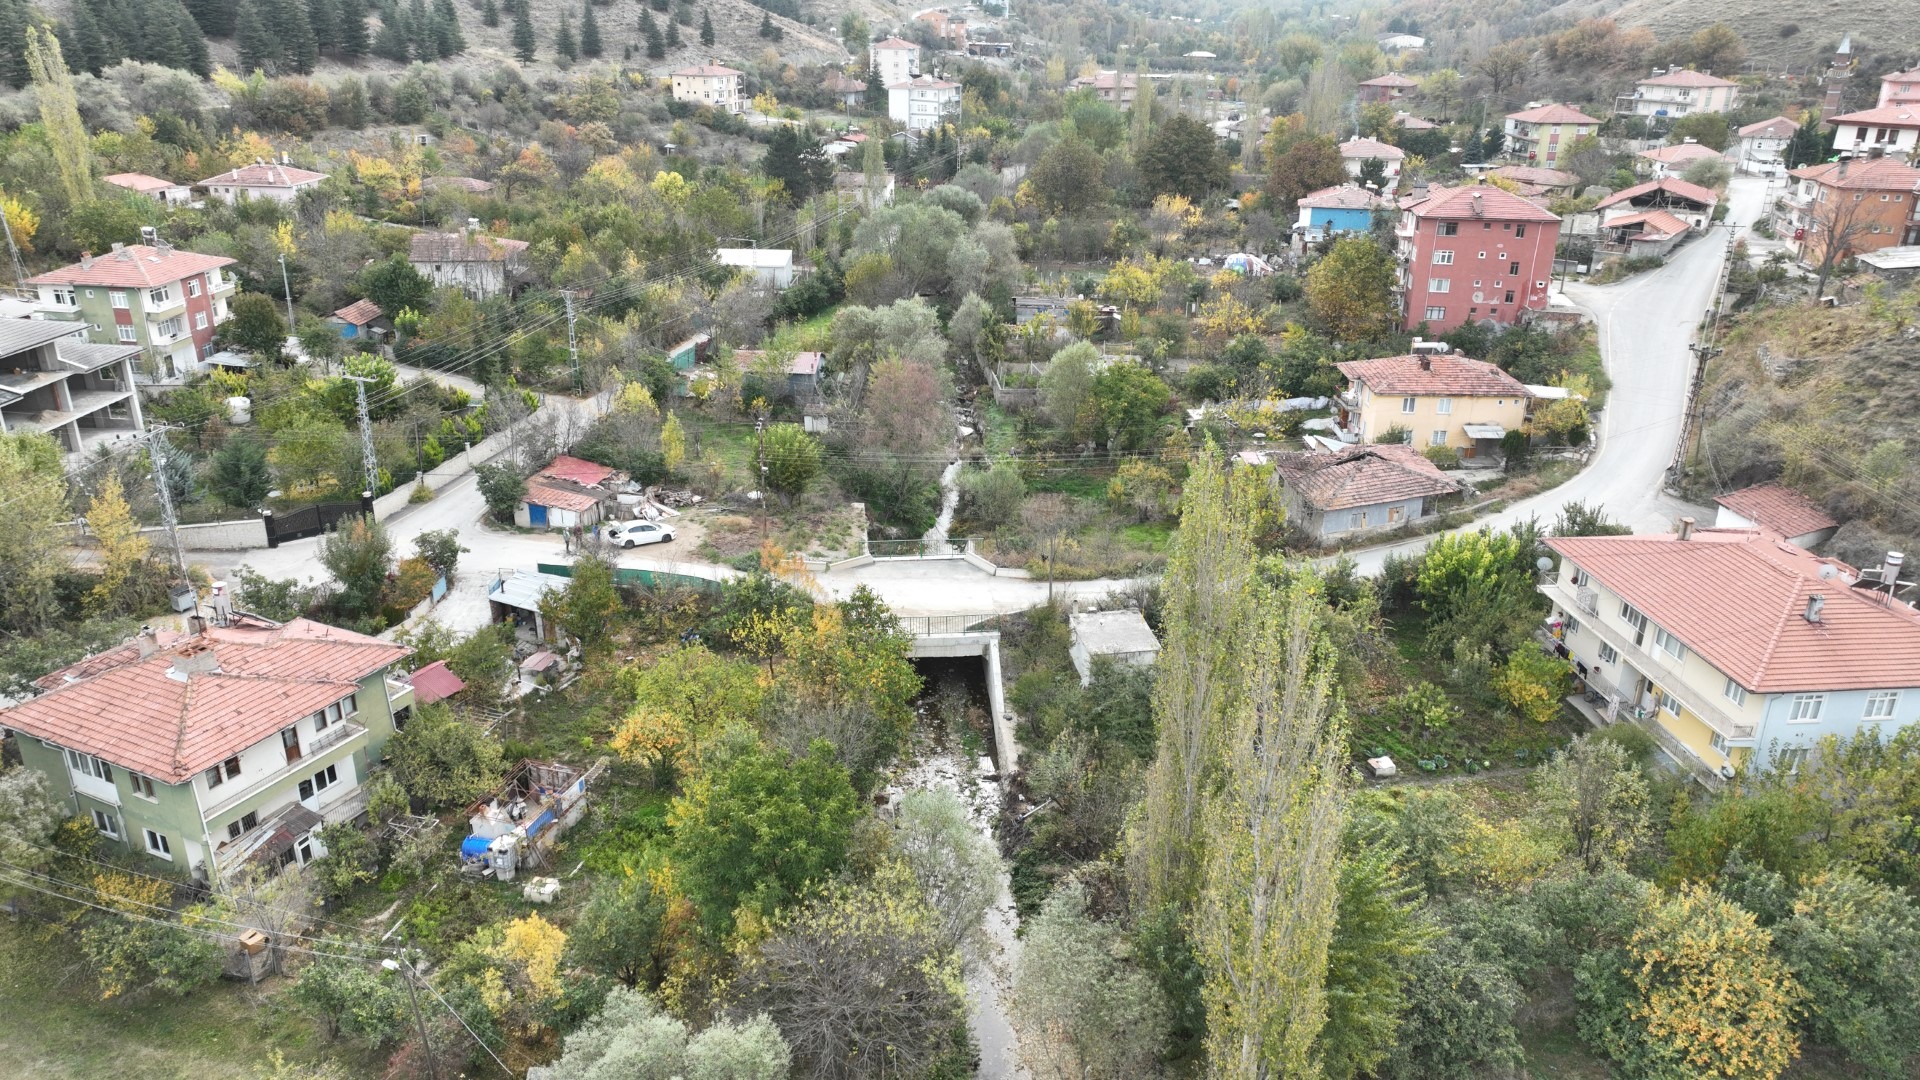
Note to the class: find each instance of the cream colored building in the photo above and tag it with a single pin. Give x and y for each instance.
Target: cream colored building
(1440, 400)
(711, 85)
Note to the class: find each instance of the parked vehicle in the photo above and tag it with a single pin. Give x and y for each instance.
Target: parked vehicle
(635, 533)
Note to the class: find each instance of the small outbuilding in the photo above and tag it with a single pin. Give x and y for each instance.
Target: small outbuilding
(1122, 636)
(1779, 508)
(359, 320)
(772, 268)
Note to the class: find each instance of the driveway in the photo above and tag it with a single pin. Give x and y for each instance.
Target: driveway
(1646, 324)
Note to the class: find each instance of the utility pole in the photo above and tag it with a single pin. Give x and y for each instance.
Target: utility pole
(760, 439)
(371, 460)
(157, 450)
(413, 995)
(13, 251)
(287, 288)
(573, 345)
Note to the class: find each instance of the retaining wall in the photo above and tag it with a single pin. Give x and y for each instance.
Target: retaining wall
(237, 535)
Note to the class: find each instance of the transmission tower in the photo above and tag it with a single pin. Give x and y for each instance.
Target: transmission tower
(157, 449)
(366, 435)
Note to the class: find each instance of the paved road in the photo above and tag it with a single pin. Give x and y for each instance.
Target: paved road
(1646, 325)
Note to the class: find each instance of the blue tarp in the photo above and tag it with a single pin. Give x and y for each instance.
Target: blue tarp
(539, 823)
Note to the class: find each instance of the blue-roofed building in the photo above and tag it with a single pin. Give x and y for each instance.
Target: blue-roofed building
(1334, 210)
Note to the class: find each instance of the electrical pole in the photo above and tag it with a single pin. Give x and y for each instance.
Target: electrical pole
(372, 460)
(157, 450)
(413, 995)
(287, 288)
(13, 250)
(760, 439)
(573, 344)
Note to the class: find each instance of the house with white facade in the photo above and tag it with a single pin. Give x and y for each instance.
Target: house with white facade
(922, 103)
(1734, 647)
(1680, 92)
(164, 192)
(1892, 130)
(1356, 152)
(220, 749)
(712, 85)
(1674, 160)
(1761, 148)
(470, 260)
(274, 180)
(896, 60)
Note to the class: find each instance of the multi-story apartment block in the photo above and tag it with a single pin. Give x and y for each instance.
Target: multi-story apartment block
(1678, 93)
(54, 381)
(1889, 130)
(222, 748)
(922, 103)
(895, 60)
(152, 295)
(1474, 254)
(1437, 399)
(1538, 135)
(1900, 88)
(1735, 647)
(709, 84)
(1854, 206)
(1762, 147)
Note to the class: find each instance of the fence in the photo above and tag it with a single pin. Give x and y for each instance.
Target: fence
(643, 577)
(311, 520)
(929, 625)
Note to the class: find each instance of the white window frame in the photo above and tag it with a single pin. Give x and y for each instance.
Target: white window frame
(88, 765)
(126, 332)
(199, 320)
(158, 845)
(1435, 314)
(1717, 741)
(1443, 258)
(1444, 406)
(1407, 405)
(1806, 708)
(117, 298)
(160, 297)
(1632, 617)
(193, 287)
(1790, 758)
(1668, 644)
(1580, 578)
(1438, 438)
(1609, 654)
(106, 824)
(1881, 705)
(1667, 702)
(1439, 285)
(1735, 693)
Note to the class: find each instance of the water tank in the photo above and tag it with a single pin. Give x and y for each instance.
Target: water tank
(502, 855)
(239, 410)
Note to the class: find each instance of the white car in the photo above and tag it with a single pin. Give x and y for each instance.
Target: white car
(635, 533)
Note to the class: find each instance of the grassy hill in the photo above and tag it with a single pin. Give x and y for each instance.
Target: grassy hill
(1786, 33)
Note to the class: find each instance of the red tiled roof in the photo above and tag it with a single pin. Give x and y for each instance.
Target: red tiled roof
(1870, 174)
(462, 247)
(1902, 76)
(1691, 192)
(1478, 201)
(134, 712)
(1371, 148)
(264, 174)
(1654, 223)
(924, 82)
(1779, 508)
(893, 43)
(1362, 476)
(1777, 128)
(705, 71)
(559, 498)
(104, 661)
(359, 313)
(140, 182)
(1444, 376)
(134, 266)
(1391, 78)
(576, 470)
(1738, 598)
(1413, 123)
(1537, 176)
(1680, 153)
(1552, 114)
(1685, 77)
(1884, 116)
(435, 682)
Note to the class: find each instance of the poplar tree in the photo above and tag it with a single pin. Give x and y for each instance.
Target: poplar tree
(60, 116)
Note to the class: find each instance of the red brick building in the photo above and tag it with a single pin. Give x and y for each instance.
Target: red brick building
(1473, 254)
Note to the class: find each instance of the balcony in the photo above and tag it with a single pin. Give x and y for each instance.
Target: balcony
(1587, 600)
(172, 307)
(334, 736)
(233, 793)
(399, 691)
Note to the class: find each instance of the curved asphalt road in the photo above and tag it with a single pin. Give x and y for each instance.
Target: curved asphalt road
(1646, 325)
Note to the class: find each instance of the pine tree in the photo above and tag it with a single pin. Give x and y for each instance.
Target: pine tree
(419, 30)
(656, 45)
(673, 35)
(391, 42)
(251, 36)
(658, 5)
(447, 38)
(13, 36)
(294, 36)
(766, 25)
(522, 32)
(351, 36)
(706, 28)
(490, 14)
(589, 31)
(193, 44)
(563, 42)
(216, 18)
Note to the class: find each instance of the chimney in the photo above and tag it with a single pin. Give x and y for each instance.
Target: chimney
(1686, 528)
(147, 642)
(1890, 570)
(197, 658)
(86, 260)
(1814, 604)
(1426, 362)
(284, 160)
(221, 603)
(1876, 152)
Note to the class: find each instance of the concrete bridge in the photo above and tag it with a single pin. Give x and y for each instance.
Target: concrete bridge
(947, 636)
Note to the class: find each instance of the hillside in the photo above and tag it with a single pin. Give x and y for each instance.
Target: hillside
(1785, 33)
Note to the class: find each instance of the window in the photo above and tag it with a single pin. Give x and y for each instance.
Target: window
(321, 719)
(1513, 268)
(1668, 702)
(106, 823)
(1806, 708)
(1580, 578)
(1608, 654)
(118, 298)
(1669, 644)
(1636, 620)
(170, 328)
(1443, 258)
(88, 765)
(1483, 254)
(1509, 296)
(126, 332)
(199, 320)
(237, 829)
(1444, 406)
(213, 280)
(193, 286)
(1440, 285)
(1735, 692)
(1406, 404)
(320, 781)
(1718, 742)
(1880, 705)
(157, 845)
(1448, 228)
(1572, 625)
(141, 785)
(1434, 314)
(1395, 513)
(1519, 231)
(1438, 438)
(160, 297)
(350, 705)
(1357, 520)
(1789, 758)
(223, 772)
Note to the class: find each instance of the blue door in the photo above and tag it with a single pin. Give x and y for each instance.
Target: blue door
(536, 515)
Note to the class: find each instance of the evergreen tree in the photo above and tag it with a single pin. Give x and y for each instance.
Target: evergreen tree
(656, 45)
(253, 39)
(193, 44)
(13, 36)
(706, 28)
(658, 5)
(490, 14)
(391, 42)
(294, 36)
(447, 38)
(420, 30)
(673, 35)
(522, 32)
(589, 31)
(324, 17)
(216, 18)
(563, 42)
(351, 37)
(766, 25)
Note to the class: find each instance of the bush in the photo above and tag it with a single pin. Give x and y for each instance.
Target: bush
(1446, 457)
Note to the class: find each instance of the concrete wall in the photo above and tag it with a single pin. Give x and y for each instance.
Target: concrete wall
(563, 411)
(241, 534)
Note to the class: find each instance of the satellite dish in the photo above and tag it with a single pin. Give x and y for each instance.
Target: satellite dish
(1828, 573)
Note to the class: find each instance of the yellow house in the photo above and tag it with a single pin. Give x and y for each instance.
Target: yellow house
(709, 84)
(1734, 646)
(1444, 400)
